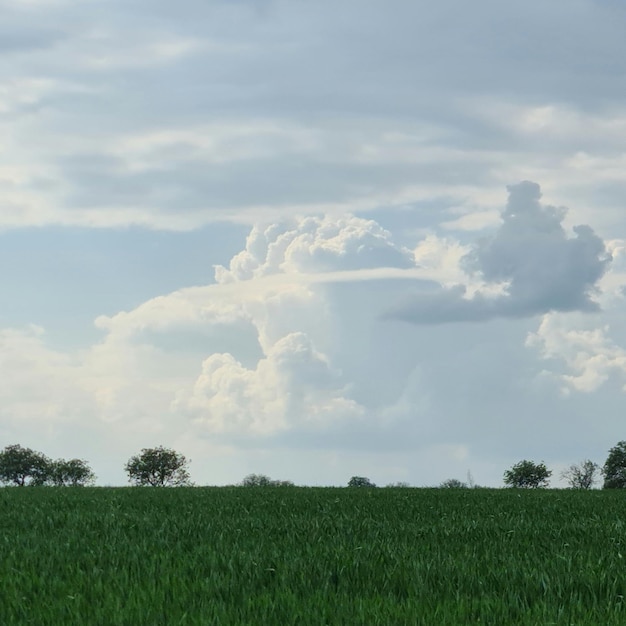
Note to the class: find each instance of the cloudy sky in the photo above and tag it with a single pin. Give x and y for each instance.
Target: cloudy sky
(314, 239)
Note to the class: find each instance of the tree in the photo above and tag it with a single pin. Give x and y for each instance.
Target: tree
(256, 480)
(360, 481)
(582, 475)
(401, 484)
(158, 467)
(23, 466)
(73, 473)
(453, 483)
(527, 475)
(260, 480)
(614, 469)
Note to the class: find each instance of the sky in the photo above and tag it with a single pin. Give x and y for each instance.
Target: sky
(314, 240)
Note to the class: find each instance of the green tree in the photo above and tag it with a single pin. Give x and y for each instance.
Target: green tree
(23, 466)
(582, 475)
(453, 483)
(261, 480)
(73, 473)
(614, 470)
(527, 475)
(158, 467)
(360, 481)
(256, 480)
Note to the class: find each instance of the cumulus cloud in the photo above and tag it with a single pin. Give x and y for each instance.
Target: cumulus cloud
(530, 259)
(315, 244)
(293, 386)
(277, 373)
(590, 356)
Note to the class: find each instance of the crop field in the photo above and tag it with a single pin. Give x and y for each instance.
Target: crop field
(230, 556)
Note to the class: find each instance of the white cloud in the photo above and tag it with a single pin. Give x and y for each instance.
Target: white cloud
(316, 244)
(292, 387)
(589, 356)
(444, 256)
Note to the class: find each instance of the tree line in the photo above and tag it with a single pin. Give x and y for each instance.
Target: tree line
(155, 467)
(583, 475)
(164, 467)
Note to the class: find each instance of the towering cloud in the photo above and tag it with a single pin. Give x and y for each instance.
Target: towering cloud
(315, 244)
(294, 385)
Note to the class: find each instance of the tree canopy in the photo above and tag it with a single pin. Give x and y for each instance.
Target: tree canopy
(72, 473)
(360, 481)
(261, 480)
(614, 470)
(158, 467)
(23, 466)
(527, 475)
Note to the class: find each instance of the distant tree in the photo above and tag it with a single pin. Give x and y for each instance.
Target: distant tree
(260, 480)
(528, 475)
(73, 473)
(158, 467)
(256, 480)
(23, 466)
(614, 469)
(453, 483)
(399, 484)
(582, 475)
(360, 481)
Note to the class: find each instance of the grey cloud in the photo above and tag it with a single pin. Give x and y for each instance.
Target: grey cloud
(183, 179)
(311, 66)
(27, 29)
(291, 59)
(22, 40)
(544, 49)
(543, 269)
(546, 269)
(444, 306)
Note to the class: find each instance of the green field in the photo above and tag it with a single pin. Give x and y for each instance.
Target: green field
(143, 556)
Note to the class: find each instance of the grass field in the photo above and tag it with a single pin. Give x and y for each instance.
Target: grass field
(141, 556)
